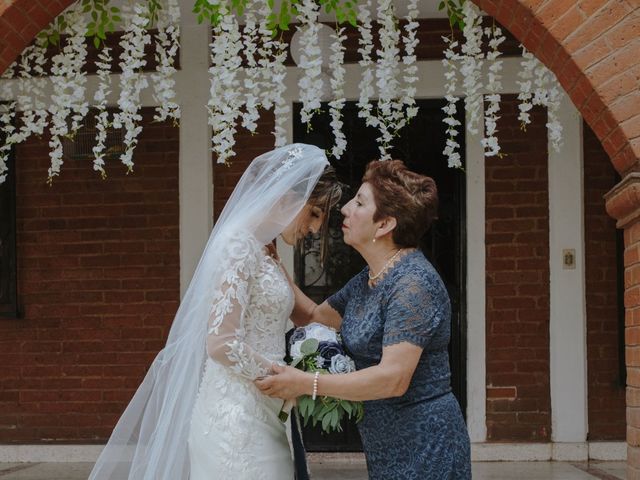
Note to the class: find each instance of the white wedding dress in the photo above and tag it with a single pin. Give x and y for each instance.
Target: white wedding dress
(235, 432)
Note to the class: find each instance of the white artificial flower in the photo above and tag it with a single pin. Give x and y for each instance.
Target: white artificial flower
(102, 115)
(321, 332)
(366, 85)
(554, 127)
(272, 54)
(494, 85)
(471, 64)
(69, 81)
(132, 81)
(337, 87)
(225, 99)
(167, 45)
(252, 72)
(310, 81)
(7, 112)
(528, 65)
(539, 86)
(452, 147)
(29, 100)
(31, 97)
(410, 75)
(396, 77)
(387, 69)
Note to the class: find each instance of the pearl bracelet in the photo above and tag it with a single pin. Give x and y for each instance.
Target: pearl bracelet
(315, 385)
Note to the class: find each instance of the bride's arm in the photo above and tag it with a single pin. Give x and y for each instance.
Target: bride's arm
(226, 326)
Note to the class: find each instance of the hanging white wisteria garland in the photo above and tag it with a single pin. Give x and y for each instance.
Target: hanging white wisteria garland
(528, 65)
(7, 113)
(167, 45)
(248, 75)
(494, 86)
(273, 71)
(68, 101)
(365, 48)
(409, 59)
(471, 65)
(449, 62)
(22, 86)
(102, 115)
(387, 80)
(281, 109)
(225, 99)
(539, 86)
(337, 88)
(394, 77)
(250, 35)
(31, 94)
(310, 82)
(132, 80)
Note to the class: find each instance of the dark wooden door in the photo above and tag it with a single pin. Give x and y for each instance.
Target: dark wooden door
(8, 275)
(420, 146)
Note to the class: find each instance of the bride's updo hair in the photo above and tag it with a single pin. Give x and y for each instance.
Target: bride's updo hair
(326, 195)
(410, 198)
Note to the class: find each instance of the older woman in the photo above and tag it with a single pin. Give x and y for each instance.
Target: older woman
(395, 322)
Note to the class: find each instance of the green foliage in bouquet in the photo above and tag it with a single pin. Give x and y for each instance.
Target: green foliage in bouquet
(327, 411)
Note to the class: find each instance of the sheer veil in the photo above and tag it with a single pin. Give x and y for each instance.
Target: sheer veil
(150, 440)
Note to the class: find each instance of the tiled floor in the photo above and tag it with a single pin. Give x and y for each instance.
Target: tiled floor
(356, 471)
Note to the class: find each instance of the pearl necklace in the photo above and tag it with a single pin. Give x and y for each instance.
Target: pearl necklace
(385, 266)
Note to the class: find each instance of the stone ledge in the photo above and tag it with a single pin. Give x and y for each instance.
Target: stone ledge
(480, 452)
(623, 200)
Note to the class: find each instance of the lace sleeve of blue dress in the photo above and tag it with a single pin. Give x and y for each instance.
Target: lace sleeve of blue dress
(415, 310)
(338, 301)
(226, 328)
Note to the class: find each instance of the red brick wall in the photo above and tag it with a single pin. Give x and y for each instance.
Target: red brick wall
(517, 276)
(98, 270)
(606, 394)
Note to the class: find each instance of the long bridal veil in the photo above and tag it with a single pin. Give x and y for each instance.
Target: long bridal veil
(150, 440)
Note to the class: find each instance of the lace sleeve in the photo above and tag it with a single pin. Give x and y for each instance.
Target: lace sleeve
(415, 311)
(338, 301)
(226, 327)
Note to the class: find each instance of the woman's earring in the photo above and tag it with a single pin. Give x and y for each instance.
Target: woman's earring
(374, 239)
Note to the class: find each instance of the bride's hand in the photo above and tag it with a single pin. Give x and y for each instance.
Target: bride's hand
(286, 383)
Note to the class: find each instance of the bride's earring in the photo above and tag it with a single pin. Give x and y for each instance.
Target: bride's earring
(374, 239)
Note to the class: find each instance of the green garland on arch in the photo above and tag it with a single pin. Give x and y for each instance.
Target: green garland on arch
(105, 18)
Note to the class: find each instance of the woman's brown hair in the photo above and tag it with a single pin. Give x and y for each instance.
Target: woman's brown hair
(326, 194)
(410, 198)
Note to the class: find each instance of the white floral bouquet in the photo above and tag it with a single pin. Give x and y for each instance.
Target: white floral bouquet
(317, 348)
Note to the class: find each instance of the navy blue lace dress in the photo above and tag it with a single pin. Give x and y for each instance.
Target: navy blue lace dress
(420, 435)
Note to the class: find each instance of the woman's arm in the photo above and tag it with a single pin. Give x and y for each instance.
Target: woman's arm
(306, 311)
(390, 378)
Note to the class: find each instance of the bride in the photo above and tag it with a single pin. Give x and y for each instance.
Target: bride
(197, 414)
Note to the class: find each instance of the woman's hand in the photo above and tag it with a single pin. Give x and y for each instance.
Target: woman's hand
(286, 383)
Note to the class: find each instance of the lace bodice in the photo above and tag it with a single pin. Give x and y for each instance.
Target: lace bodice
(247, 321)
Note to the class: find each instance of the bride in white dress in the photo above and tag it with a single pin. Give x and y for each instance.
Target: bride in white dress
(198, 415)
